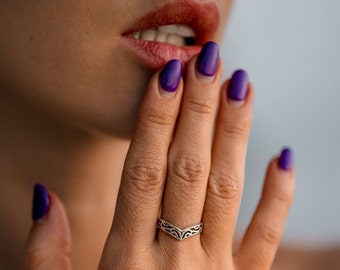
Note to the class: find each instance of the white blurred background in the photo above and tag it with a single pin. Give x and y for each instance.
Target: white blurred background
(291, 50)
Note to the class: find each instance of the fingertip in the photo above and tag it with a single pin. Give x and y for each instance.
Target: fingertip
(210, 79)
(41, 203)
(238, 91)
(48, 245)
(208, 59)
(282, 167)
(238, 85)
(170, 78)
(279, 180)
(286, 159)
(52, 220)
(207, 66)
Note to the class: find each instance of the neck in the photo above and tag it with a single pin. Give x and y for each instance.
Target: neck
(82, 168)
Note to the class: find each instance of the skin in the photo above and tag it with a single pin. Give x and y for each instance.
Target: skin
(68, 109)
(68, 55)
(214, 197)
(50, 55)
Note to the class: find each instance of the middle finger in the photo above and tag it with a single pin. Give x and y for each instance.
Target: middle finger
(189, 154)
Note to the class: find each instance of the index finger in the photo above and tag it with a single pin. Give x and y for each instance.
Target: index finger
(141, 189)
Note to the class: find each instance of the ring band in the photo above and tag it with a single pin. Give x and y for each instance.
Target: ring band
(178, 233)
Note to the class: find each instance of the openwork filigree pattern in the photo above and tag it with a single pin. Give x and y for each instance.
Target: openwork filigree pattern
(179, 234)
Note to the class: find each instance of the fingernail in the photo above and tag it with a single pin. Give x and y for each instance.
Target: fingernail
(286, 159)
(237, 89)
(41, 202)
(207, 62)
(171, 75)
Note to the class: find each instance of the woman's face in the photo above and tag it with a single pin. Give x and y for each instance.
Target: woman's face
(88, 62)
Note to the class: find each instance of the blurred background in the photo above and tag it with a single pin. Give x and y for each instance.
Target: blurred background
(291, 50)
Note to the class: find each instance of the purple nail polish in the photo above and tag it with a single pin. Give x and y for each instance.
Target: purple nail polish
(208, 59)
(238, 85)
(41, 202)
(171, 75)
(286, 159)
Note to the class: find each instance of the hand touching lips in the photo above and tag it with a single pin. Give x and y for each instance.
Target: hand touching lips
(176, 30)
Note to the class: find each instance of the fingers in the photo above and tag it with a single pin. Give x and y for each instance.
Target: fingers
(260, 243)
(49, 242)
(228, 161)
(144, 172)
(189, 154)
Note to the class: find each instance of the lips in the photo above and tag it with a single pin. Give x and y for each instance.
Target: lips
(201, 17)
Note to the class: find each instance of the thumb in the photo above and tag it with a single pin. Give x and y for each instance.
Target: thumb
(49, 242)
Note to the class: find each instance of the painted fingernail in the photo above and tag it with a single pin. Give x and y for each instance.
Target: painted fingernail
(41, 202)
(286, 159)
(171, 75)
(207, 62)
(237, 89)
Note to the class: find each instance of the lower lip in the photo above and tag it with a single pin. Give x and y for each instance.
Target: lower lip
(155, 55)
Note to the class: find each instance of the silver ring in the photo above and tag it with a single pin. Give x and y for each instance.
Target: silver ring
(178, 233)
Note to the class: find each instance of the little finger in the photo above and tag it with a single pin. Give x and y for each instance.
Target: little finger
(262, 238)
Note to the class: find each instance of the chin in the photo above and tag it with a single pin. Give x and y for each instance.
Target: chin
(115, 111)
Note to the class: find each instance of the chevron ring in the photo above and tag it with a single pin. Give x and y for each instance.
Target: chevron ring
(179, 234)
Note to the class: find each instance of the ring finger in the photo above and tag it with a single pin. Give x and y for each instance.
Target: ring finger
(228, 162)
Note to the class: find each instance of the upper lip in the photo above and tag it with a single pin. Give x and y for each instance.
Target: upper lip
(202, 17)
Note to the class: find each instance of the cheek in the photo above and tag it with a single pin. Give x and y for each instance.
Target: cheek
(101, 94)
(72, 70)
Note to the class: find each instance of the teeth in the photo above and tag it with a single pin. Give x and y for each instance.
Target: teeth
(173, 34)
(182, 30)
(186, 31)
(169, 29)
(161, 36)
(176, 40)
(136, 35)
(148, 35)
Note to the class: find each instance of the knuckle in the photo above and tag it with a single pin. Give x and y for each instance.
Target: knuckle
(236, 131)
(42, 257)
(260, 259)
(283, 197)
(127, 258)
(270, 233)
(237, 128)
(145, 174)
(181, 255)
(205, 108)
(188, 168)
(36, 257)
(152, 118)
(225, 186)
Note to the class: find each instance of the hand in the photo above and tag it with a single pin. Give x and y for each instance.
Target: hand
(186, 167)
